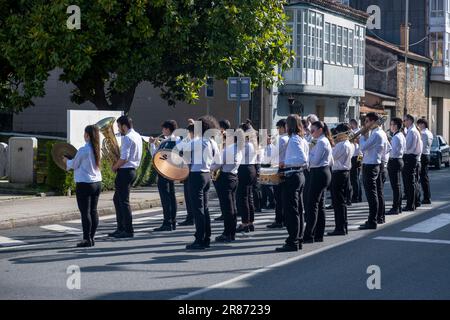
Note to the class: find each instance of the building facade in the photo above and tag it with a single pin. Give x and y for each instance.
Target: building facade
(327, 77)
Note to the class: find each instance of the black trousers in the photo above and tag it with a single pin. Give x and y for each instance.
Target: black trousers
(244, 196)
(355, 173)
(417, 188)
(226, 191)
(370, 181)
(199, 184)
(395, 167)
(319, 180)
(278, 195)
(424, 179)
(339, 184)
(293, 207)
(409, 180)
(166, 190)
(257, 196)
(380, 193)
(124, 180)
(187, 201)
(268, 198)
(87, 200)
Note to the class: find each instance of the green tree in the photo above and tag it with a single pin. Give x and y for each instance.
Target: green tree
(172, 44)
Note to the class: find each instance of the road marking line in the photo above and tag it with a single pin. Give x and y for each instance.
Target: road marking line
(113, 216)
(414, 240)
(7, 242)
(60, 228)
(262, 270)
(430, 225)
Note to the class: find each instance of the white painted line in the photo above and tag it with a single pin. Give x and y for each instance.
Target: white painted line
(414, 240)
(20, 247)
(60, 228)
(113, 216)
(7, 242)
(430, 225)
(262, 270)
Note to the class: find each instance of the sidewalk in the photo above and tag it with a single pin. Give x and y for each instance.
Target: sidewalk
(20, 211)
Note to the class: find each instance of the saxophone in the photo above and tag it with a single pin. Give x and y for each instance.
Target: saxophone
(110, 147)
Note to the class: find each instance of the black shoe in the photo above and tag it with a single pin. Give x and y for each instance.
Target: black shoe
(207, 242)
(186, 223)
(349, 204)
(426, 202)
(84, 244)
(367, 226)
(195, 246)
(381, 221)
(336, 233)
(392, 212)
(164, 227)
(220, 218)
(275, 226)
(287, 248)
(174, 226)
(408, 209)
(124, 235)
(418, 205)
(113, 234)
(251, 228)
(224, 238)
(242, 228)
(271, 206)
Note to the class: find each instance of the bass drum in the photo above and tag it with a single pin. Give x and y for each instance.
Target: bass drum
(269, 176)
(170, 165)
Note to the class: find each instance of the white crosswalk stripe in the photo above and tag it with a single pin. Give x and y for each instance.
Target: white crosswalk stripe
(7, 242)
(430, 225)
(60, 228)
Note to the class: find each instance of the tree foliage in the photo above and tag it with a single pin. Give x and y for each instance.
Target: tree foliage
(173, 44)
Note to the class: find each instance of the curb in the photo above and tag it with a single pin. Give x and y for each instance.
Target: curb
(64, 216)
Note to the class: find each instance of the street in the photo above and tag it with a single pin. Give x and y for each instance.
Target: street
(411, 253)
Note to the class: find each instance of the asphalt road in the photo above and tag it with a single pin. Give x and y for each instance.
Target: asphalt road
(412, 263)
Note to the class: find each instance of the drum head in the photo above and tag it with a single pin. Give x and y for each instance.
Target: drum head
(60, 150)
(170, 165)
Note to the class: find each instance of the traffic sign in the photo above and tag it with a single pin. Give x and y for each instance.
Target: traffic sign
(209, 87)
(239, 87)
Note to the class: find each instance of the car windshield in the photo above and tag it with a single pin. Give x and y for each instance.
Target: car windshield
(435, 143)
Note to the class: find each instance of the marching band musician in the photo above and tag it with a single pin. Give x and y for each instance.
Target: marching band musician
(267, 160)
(226, 186)
(295, 160)
(395, 165)
(342, 156)
(382, 178)
(427, 140)
(355, 171)
(189, 220)
(278, 189)
(411, 157)
(373, 148)
(203, 152)
(125, 167)
(166, 187)
(320, 160)
(247, 175)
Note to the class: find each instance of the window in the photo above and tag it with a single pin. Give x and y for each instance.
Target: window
(437, 48)
(359, 57)
(437, 8)
(333, 44)
(350, 48)
(327, 42)
(339, 46)
(298, 45)
(345, 47)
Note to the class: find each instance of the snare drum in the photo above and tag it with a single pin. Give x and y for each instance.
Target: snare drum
(269, 176)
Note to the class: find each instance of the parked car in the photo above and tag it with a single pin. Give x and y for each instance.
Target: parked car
(440, 153)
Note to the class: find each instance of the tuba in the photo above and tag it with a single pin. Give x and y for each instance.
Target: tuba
(110, 147)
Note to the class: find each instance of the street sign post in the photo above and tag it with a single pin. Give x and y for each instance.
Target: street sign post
(239, 89)
(209, 92)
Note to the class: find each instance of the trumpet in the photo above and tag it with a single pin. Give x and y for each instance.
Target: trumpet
(158, 140)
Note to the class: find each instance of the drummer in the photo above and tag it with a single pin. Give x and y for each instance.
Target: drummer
(166, 187)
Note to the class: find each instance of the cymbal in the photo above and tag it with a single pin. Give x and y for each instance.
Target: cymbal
(170, 165)
(61, 150)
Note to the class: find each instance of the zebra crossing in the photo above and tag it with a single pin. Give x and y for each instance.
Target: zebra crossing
(146, 220)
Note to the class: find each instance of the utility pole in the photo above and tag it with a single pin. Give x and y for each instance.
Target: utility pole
(405, 108)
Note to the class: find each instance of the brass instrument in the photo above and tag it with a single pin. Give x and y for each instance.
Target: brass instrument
(159, 139)
(215, 174)
(110, 147)
(351, 136)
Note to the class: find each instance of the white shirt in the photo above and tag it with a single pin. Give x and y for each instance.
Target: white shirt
(85, 169)
(386, 148)
(427, 140)
(321, 155)
(282, 145)
(342, 155)
(231, 159)
(250, 155)
(296, 152)
(398, 144)
(131, 149)
(373, 147)
(269, 155)
(413, 141)
(205, 153)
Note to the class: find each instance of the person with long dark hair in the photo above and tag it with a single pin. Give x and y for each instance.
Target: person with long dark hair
(247, 176)
(292, 166)
(86, 166)
(320, 160)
